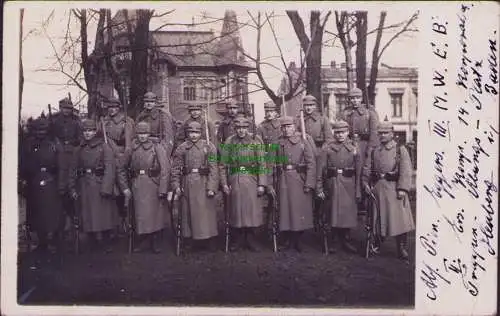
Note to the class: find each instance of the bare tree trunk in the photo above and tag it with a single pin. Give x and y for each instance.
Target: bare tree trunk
(139, 67)
(344, 29)
(313, 71)
(361, 34)
(375, 59)
(21, 71)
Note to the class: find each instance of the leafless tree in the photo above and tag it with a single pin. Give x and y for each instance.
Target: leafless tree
(312, 46)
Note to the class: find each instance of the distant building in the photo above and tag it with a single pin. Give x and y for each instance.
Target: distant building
(396, 96)
(188, 67)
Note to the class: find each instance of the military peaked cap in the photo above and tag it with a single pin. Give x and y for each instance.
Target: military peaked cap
(194, 127)
(340, 125)
(194, 107)
(88, 124)
(65, 103)
(287, 120)
(149, 96)
(356, 92)
(309, 98)
(241, 122)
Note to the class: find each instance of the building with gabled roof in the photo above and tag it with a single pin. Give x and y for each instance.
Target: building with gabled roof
(188, 66)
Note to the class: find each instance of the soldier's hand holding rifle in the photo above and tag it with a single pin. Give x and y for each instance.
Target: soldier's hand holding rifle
(260, 190)
(74, 195)
(270, 190)
(210, 193)
(402, 195)
(226, 189)
(307, 189)
(321, 194)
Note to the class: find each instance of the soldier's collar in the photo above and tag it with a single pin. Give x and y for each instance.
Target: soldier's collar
(198, 144)
(146, 145)
(389, 145)
(275, 123)
(361, 109)
(314, 115)
(94, 142)
(119, 117)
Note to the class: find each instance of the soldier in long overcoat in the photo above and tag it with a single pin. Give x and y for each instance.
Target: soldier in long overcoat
(339, 183)
(243, 178)
(120, 135)
(269, 131)
(363, 121)
(318, 128)
(91, 181)
(163, 125)
(195, 177)
(195, 115)
(226, 127)
(387, 174)
(65, 127)
(40, 172)
(149, 168)
(297, 181)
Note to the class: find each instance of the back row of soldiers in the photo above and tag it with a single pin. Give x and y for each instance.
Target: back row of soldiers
(146, 163)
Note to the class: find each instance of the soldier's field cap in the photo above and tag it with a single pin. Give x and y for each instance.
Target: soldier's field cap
(340, 125)
(65, 103)
(241, 122)
(40, 124)
(385, 126)
(88, 124)
(112, 102)
(309, 99)
(269, 106)
(194, 127)
(356, 92)
(194, 107)
(287, 120)
(149, 96)
(142, 128)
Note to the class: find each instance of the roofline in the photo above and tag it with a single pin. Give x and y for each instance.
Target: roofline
(177, 31)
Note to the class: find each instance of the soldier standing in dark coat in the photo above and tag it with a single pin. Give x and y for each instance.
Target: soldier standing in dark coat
(318, 128)
(338, 181)
(387, 174)
(120, 134)
(296, 183)
(195, 176)
(243, 179)
(363, 121)
(149, 167)
(40, 172)
(269, 131)
(226, 127)
(65, 127)
(93, 176)
(195, 112)
(163, 125)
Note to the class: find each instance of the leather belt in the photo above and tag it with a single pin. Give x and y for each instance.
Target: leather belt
(346, 172)
(389, 176)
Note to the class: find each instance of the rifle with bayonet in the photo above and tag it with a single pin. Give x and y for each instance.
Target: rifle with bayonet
(276, 204)
(177, 221)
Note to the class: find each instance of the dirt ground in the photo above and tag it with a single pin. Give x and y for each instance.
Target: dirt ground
(236, 279)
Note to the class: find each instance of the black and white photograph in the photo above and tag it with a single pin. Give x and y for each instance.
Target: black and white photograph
(176, 154)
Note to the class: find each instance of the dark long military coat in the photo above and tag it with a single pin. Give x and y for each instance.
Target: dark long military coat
(395, 217)
(296, 206)
(150, 211)
(363, 123)
(162, 126)
(243, 174)
(341, 190)
(199, 219)
(39, 166)
(98, 210)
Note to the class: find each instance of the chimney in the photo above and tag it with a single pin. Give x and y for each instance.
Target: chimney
(333, 64)
(343, 65)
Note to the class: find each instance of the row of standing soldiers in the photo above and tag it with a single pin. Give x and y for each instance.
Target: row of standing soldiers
(314, 173)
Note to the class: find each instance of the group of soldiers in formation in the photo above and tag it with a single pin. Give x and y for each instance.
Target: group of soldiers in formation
(317, 174)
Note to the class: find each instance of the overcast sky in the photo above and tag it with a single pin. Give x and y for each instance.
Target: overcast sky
(43, 87)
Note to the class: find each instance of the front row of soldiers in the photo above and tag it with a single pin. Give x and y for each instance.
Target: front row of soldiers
(143, 173)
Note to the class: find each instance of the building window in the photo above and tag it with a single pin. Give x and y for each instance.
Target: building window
(397, 104)
(189, 89)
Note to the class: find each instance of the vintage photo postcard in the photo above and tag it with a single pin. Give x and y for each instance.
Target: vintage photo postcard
(225, 158)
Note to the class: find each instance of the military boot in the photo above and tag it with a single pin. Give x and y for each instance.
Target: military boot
(154, 239)
(236, 239)
(139, 244)
(296, 241)
(401, 241)
(250, 241)
(344, 239)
